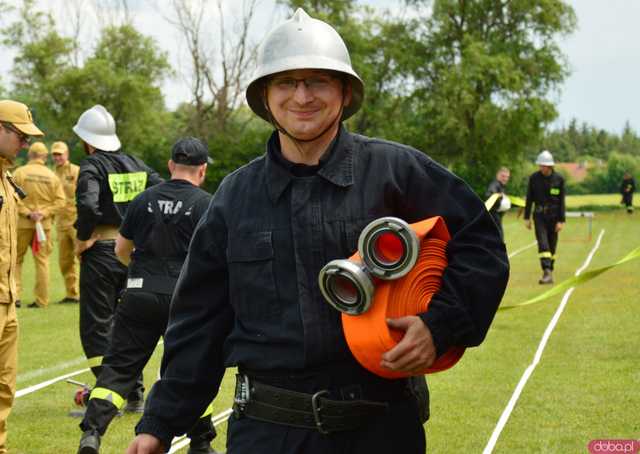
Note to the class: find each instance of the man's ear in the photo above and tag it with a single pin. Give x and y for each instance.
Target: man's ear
(171, 166)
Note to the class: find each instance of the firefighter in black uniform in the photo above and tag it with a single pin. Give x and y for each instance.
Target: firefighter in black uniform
(248, 294)
(108, 180)
(546, 192)
(154, 235)
(498, 186)
(627, 188)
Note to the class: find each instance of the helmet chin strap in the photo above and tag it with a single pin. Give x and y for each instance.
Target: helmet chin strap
(296, 140)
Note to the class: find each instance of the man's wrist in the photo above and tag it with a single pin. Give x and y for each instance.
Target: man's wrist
(440, 340)
(151, 426)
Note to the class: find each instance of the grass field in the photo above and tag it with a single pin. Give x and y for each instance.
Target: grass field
(585, 386)
(596, 201)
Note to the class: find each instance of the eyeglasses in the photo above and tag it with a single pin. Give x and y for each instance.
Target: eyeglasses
(21, 135)
(315, 84)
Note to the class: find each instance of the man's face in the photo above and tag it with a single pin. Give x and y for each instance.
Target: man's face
(503, 177)
(60, 158)
(306, 102)
(11, 142)
(546, 170)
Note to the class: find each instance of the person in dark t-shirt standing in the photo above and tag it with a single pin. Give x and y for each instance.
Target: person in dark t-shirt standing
(153, 241)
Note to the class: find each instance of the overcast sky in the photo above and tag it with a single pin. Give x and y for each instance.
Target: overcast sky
(604, 57)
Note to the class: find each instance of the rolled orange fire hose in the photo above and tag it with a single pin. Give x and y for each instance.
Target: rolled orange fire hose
(368, 334)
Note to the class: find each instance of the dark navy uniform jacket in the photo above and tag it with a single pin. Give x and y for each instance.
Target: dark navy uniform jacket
(547, 194)
(628, 186)
(107, 183)
(248, 293)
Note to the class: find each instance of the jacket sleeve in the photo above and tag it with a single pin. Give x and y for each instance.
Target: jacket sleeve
(59, 200)
(475, 279)
(529, 201)
(87, 200)
(491, 189)
(200, 320)
(561, 215)
(153, 177)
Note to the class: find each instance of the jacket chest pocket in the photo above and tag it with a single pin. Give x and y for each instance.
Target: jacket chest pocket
(252, 285)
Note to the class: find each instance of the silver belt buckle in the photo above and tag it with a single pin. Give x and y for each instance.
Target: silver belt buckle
(242, 394)
(317, 409)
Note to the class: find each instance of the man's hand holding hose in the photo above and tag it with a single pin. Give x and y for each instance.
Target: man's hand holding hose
(416, 350)
(380, 290)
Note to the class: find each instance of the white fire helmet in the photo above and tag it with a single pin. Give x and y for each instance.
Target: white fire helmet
(545, 158)
(505, 204)
(97, 127)
(302, 42)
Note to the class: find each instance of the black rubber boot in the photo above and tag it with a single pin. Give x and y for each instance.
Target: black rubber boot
(89, 442)
(200, 446)
(547, 277)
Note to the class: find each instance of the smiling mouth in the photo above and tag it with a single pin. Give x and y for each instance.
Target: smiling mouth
(303, 113)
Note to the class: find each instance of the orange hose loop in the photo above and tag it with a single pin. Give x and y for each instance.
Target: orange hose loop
(368, 335)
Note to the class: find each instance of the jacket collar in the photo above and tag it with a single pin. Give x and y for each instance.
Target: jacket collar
(338, 170)
(5, 164)
(36, 161)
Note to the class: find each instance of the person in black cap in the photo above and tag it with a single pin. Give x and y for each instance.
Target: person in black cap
(153, 242)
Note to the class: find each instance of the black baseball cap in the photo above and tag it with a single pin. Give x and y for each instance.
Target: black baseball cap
(190, 151)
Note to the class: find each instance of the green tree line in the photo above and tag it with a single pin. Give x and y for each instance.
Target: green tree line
(606, 155)
(466, 81)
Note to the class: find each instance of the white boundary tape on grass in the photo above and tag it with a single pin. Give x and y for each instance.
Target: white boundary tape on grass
(536, 359)
(522, 249)
(44, 384)
(180, 442)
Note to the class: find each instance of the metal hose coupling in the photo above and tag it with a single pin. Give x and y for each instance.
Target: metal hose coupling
(347, 285)
(387, 249)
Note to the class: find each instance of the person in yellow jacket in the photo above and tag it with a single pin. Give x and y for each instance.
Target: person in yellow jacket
(16, 126)
(44, 199)
(65, 218)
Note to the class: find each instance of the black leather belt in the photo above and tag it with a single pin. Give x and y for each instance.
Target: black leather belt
(317, 411)
(548, 209)
(163, 285)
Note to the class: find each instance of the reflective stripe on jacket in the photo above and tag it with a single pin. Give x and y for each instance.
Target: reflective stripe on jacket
(101, 174)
